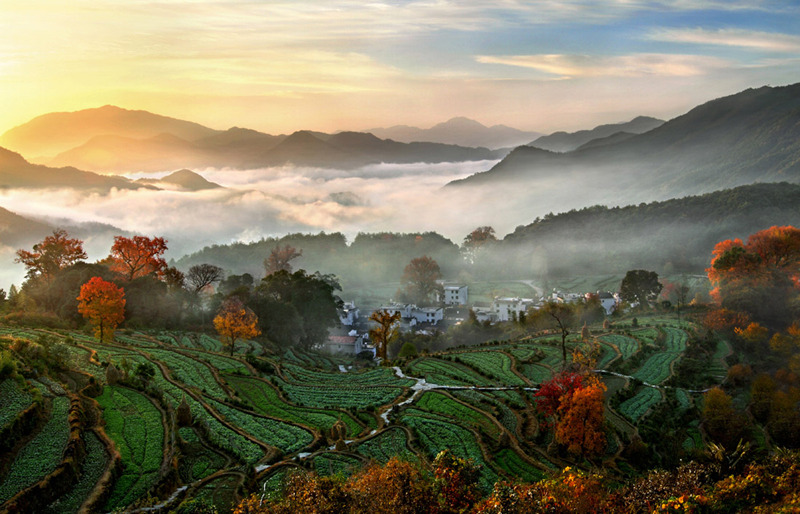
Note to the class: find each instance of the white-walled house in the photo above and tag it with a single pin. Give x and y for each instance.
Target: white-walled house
(391, 308)
(348, 345)
(455, 295)
(431, 315)
(609, 301)
(510, 308)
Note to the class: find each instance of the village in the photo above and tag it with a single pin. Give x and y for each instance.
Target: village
(451, 308)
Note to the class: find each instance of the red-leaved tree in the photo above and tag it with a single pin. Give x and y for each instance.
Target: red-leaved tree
(138, 256)
(102, 303)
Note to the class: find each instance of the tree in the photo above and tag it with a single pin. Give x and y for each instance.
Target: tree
(280, 259)
(721, 422)
(419, 282)
(550, 393)
(138, 256)
(761, 277)
(201, 276)
(581, 426)
(563, 316)
(476, 240)
(235, 321)
(385, 332)
(52, 255)
(103, 304)
(640, 286)
(312, 297)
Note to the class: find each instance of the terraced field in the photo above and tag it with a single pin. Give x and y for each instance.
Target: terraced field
(476, 402)
(134, 423)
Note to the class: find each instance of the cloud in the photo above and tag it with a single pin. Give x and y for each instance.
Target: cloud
(755, 40)
(635, 65)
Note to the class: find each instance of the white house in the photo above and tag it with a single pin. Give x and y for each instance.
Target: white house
(391, 308)
(350, 344)
(609, 301)
(455, 295)
(348, 314)
(510, 308)
(431, 315)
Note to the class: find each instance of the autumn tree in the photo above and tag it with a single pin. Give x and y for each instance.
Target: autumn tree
(640, 286)
(201, 276)
(138, 256)
(721, 421)
(103, 305)
(235, 321)
(53, 254)
(550, 394)
(385, 331)
(419, 282)
(476, 240)
(280, 259)
(581, 425)
(761, 277)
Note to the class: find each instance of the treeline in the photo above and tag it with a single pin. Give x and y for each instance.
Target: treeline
(674, 236)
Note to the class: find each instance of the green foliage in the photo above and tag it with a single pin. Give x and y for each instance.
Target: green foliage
(134, 424)
(42, 453)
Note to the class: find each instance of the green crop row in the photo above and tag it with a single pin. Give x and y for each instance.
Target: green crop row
(134, 424)
(437, 371)
(437, 435)
(636, 407)
(190, 372)
(389, 443)
(486, 401)
(220, 362)
(676, 339)
(441, 404)
(94, 465)
(493, 364)
(331, 463)
(373, 377)
(627, 346)
(656, 369)
(13, 400)
(288, 438)
(511, 462)
(265, 400)
(341, 397)
(41, 455)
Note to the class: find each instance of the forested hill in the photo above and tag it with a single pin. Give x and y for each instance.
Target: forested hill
(674, 235)
(671, 236)
(368, 259)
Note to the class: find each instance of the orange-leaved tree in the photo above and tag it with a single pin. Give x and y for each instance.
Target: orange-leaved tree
(235, 321)
(53, 254)
(581, 427)
(103, 304)
(760, 277)
(385, 331)
(138, 256)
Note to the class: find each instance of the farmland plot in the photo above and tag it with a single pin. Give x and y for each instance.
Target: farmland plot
(41, 455)
(493, 364)
(134, 424)
(438, 371)
(636, 407)
(390, 443)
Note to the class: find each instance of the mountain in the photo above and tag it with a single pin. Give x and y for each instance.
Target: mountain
(185, 180)
(566, 141)
(54, 133)
(459, 131)
(17, 231)
(676, 235)
(740, 139)
(247, 149)
(15, 171)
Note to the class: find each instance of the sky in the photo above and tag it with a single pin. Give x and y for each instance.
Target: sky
(280, 66)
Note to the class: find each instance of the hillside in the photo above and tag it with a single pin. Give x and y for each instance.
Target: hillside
(671, 236)
(750, 136)
(185, 180)
(459, 131)
(568, 141)
(15, 171)
(53, 133)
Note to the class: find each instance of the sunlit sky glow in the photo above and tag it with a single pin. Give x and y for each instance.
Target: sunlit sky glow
(280, 66)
